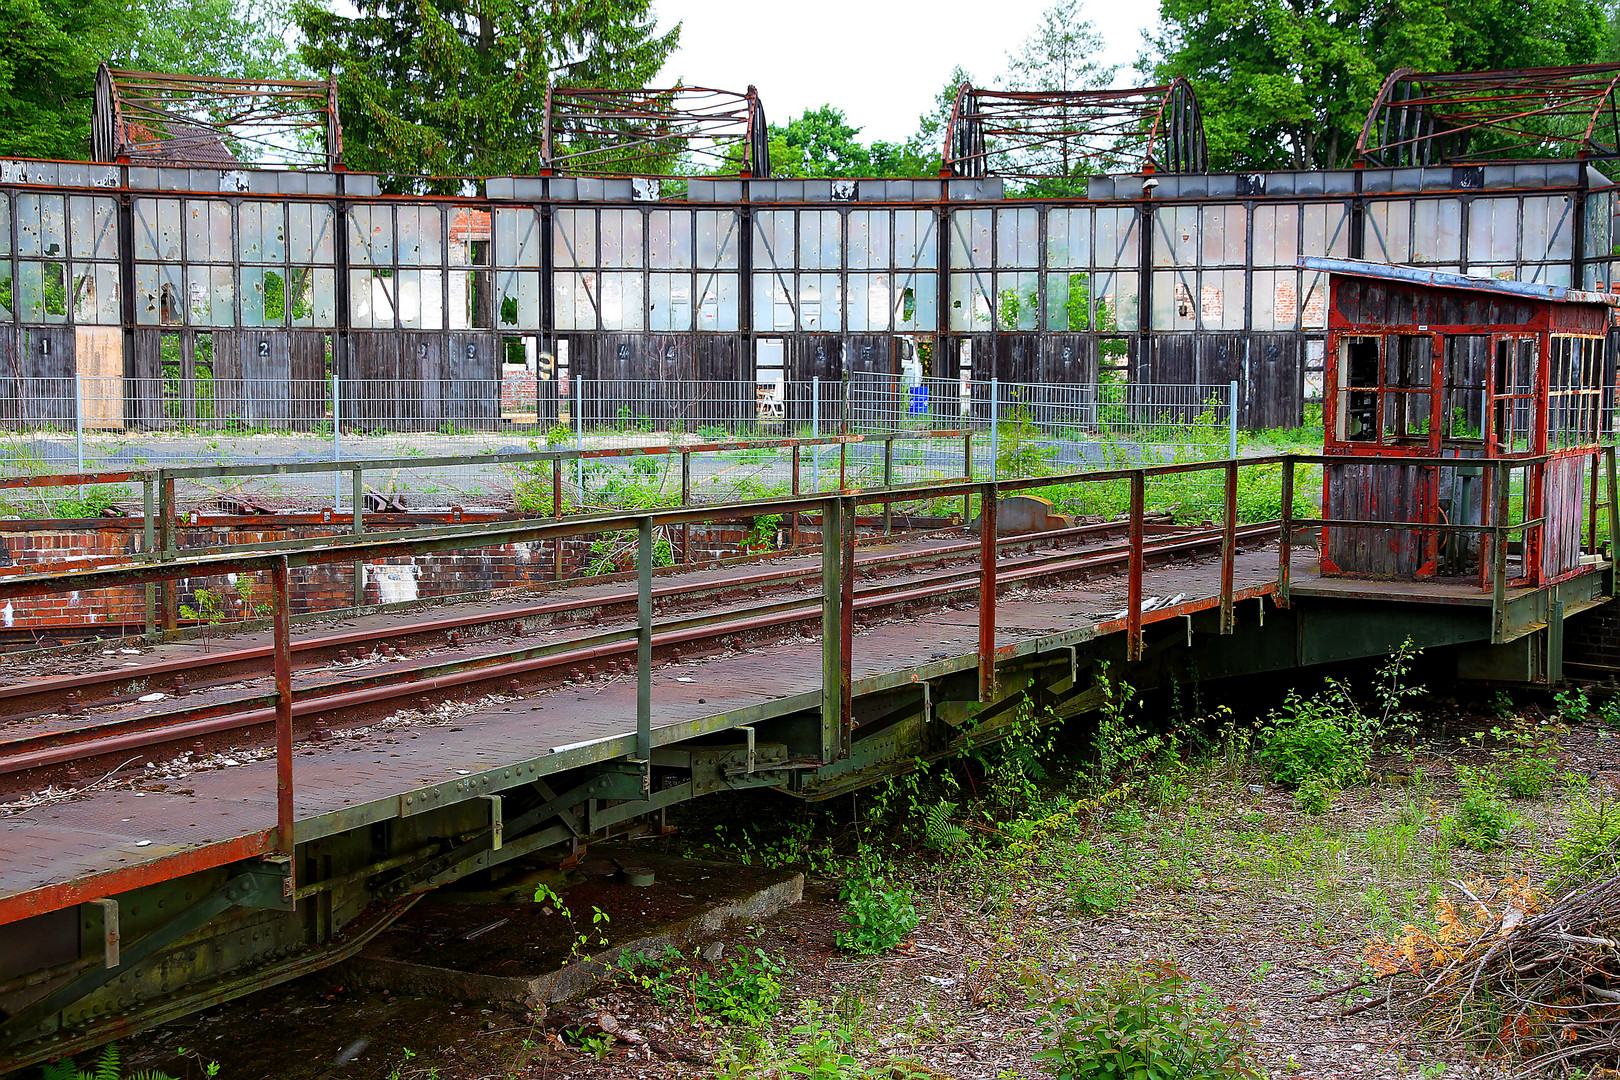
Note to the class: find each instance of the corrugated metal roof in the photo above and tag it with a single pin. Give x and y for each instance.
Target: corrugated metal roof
(1440, 279)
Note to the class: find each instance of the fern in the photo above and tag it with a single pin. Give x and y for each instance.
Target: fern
(939, 830)
(107, 1067)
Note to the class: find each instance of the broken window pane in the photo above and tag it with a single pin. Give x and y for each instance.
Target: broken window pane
(310, 232)
(914, 299)
(1116, 236)
(970, 240)
(158, 295)
(621, 240)
(94, 227)
(717, 301)
(41, 225)
(1068, 239)
(421, 235)
(573, 241)
(717, 239)
(669, 239)
(915, 240)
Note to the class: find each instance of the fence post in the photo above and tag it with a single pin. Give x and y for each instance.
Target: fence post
(283, 678)
(1231, 419)
(579, 436)
(1229, 546)
(78, 420)
(888, 482)
(1285, 536)
(337, 449)
(815, 431)
(837, 622)
(967, 474)
(686, 500)
(995, 427)
(169, 587)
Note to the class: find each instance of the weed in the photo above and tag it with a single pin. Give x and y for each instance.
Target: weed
(1590, 847)
(1325, 736)
(879, 917)
(1314, 796)
(1144, 1022)
(1527, 761)
(595, 1043)
(1482, 819)
(940, 832)
(1573, 705)
(108, 1066)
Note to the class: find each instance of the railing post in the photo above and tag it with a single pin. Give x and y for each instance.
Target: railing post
(283, 677)
(995, 428)
(1231, 419)
(1285, 533)
(987, 592)
(793, 518)
(1614, 501)
(1229, 548)
(967, 474)
(1133, 587)
(357, 496)
(888, 481)
(686, 500)
(556, 513)
(644, 636)
(149, 545)
(836, 626)
(166, 543)
(579, 435)
(1499, 546)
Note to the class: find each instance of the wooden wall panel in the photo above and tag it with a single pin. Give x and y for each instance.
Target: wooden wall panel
(1376, 491)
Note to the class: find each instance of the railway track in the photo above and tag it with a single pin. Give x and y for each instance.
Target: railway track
(469, 654)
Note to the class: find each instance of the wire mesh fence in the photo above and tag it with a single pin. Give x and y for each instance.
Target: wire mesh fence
(89, 423)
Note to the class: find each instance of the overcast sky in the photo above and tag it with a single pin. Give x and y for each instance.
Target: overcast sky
(880, 61)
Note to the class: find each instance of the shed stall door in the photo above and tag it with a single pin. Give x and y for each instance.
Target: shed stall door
(144, 385)
(1271, 382)
(373, 372)
(417, 390)
(1069, 359)
(99, 352)
(1018, 358)
(263, 392)
(470, 387)
(40, 383)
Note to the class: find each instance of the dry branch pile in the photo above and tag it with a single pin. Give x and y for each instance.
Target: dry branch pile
(1508, 970)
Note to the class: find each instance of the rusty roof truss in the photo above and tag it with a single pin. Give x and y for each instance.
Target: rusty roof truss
(1464, 118)
(152, 118)
(1075, 132)
(683, 129)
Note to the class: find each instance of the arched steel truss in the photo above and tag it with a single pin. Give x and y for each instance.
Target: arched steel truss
(1461, 118)
(1034, 134)
(152, 118)
(619, 132)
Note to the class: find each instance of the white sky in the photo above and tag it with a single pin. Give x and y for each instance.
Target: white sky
(880, 61)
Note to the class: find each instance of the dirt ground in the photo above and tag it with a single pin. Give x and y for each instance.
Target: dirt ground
(1267, 907)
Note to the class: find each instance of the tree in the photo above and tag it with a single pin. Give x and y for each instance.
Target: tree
(48, 58)
(1058, 57)
(928, 141)
(222, 38)
(821, 142)
(457, 87)
(1287, 83)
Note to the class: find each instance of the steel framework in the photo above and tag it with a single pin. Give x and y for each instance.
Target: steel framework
(1460, 118)
(153, 118)
(594, 131)
(1034, 134)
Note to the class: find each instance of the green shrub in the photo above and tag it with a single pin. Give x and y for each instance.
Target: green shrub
(1325, 736)
(1483, 819)
(1527, 763)
(1573, 705)
(1590, 846)
(107, 1067)
(1141, 1023)
(879, 917)
(1315, 795)
(748, 991)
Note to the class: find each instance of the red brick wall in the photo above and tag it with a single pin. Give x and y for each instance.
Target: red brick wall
(31, 546)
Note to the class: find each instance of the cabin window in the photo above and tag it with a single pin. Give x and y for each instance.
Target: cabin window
(1514, 408)
(1574, 391)
(1358, 394)
(1408, 387)
(1464, 404)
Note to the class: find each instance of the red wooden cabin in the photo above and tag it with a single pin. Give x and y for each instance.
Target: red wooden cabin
(1425, 365)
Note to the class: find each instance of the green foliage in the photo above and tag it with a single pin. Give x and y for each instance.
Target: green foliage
(440, 88)
(879, 917)
(1482, 819)
(1324, 737)
(1589, 850)
(1144, 1023)
(940, 832)
(1022, 448)
(1526, 762)
(1573, 705)
(745, 992)
(1287, 86)
(107, 1066)
(1315, 795)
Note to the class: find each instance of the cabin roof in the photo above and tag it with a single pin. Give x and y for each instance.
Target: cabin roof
(1413, 275)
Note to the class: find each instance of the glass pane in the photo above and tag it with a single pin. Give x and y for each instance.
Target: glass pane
(970, 239)
(717, 239)
(717, 306)
(574, 237)
(517, 236)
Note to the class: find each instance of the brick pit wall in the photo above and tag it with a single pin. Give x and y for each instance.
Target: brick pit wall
(1592, 640)
(32, 546)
